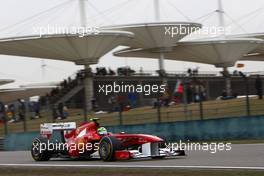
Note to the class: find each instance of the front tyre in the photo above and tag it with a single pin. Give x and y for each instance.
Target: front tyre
(181, 153)
(37, 152)
(107, 147)
(158, 157)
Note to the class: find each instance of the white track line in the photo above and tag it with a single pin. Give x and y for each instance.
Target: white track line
(260, 144)
(131, 166)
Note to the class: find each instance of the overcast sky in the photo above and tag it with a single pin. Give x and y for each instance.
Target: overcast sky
(26, 70)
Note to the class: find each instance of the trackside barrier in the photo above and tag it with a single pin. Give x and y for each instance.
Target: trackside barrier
(1, 144)
(200, 130)
(197, 130)
(22, 141)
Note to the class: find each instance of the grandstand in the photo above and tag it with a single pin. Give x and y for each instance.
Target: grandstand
(212, 81)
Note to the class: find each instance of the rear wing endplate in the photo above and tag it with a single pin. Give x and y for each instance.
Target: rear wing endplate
(47, 128)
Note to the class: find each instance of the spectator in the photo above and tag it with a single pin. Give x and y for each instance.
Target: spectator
(235, 73)
(157, 104)
(31, 110)
(141, 70)
(2, 113)
(112, 102)
(101, 71)
(111, 72)
(132, 98)
(125, 71)
(54, 112)
(64, 84)
(197, 93)
(69, 80)
(258, 86)
(166, 97)
(12, 113)
(36, 109)
(120, 101)
(189, 72)
(21, 109)
(94, 105)
(178, 92)
(196, 71)
(78, 78)
(202, 92)
(224, 94)
(65, 112)
(47, 100)
(60, 110)
(161, 73)
(189, 93)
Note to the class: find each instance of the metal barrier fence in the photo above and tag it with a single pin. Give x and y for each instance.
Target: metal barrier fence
(180, 112)
(1, 144)
(224, 129)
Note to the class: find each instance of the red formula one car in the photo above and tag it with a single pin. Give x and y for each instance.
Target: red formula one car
(92, 141)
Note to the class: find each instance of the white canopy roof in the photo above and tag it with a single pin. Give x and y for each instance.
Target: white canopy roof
(260, 48)
(221, 53)
(11, 95)
(258, 53)
(5, 81)
(253, 57)
(41, 85)
(250, 35)
(81, 50)
(156, 35)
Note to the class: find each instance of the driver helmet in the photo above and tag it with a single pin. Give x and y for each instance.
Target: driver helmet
(102, 131)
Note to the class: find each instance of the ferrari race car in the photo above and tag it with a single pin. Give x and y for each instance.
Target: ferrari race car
(90, 140)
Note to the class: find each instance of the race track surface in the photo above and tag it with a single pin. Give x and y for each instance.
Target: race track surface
(242, 156)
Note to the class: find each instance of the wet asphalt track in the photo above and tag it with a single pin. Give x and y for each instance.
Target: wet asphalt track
(242, 156)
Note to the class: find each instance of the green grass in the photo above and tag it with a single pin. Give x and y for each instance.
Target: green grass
(212, 110)
(10, 171)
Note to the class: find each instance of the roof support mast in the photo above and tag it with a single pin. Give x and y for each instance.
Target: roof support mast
(226, 74)
(83, 17)
(157, 19)
(88, 81)
(221, 12)
(157, 10)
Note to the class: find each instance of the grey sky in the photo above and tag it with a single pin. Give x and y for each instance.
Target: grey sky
(26, 70)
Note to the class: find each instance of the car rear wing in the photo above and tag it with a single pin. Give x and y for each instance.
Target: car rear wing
(46, 129)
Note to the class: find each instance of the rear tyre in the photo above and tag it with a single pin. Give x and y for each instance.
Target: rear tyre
(36, 152)
(107, 147)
